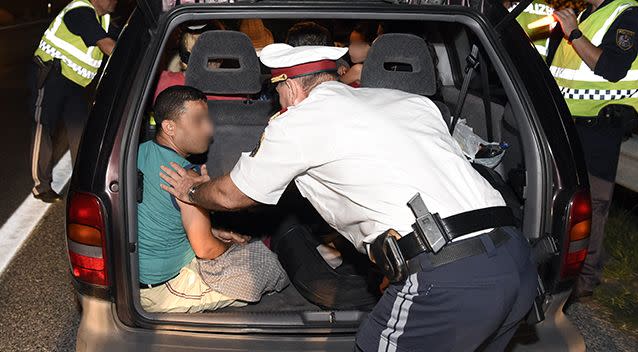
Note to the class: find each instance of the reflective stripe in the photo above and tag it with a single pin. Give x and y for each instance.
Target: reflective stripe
(598, 94)
(49, 34)
(107, 21)
(67, 61)
(598, 37)
(587, 75)
(399, 315)
(37, 141)
(541, 49)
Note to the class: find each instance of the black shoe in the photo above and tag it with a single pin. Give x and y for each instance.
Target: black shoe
(581, 295)
(49, 196)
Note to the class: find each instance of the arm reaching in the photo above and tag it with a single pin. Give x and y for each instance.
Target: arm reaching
(219, 194)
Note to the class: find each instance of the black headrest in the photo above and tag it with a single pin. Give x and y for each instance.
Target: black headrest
(400, 61)
(239, 72)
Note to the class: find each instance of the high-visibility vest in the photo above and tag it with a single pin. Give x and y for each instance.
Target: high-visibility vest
(533, 12)
(79, 62)
(584, 91)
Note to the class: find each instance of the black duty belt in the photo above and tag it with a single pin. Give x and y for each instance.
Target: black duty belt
(458, 250)
(459, 225)
(435, 237)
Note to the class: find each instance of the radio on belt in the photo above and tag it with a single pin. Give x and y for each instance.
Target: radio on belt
(428, 226)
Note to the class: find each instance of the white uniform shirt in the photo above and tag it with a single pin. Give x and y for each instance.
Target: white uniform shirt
(359, 155)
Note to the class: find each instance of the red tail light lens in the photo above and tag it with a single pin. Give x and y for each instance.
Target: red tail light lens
(85, 238)
(578, 228)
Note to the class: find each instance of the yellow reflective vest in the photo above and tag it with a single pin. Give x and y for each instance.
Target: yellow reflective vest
(79, 62)
(584, 91)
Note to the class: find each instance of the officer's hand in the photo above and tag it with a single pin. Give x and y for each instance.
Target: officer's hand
(180, 181)
(229, 236)
(567, 19)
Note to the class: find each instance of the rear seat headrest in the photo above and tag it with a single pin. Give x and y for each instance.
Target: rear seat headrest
(400, 61)
(233, 47)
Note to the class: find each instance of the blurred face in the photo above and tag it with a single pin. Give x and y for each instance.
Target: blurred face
(358, 48)
(104, 6)
(192, 131)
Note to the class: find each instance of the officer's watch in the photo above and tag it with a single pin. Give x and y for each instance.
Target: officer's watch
(575, 34)
(191, 192)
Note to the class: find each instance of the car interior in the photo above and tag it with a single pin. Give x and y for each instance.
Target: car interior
(421, 57)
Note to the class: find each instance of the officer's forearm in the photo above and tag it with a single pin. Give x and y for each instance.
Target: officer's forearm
(587, 51)
(106, 45)
(221, 194)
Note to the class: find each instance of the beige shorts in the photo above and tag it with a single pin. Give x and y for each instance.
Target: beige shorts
(185, 293)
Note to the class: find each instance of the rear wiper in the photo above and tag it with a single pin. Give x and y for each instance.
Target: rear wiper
(513, 14)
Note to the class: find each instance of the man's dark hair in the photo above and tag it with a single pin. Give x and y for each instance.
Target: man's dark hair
(170, 103)
(308, 33)
(369, 30)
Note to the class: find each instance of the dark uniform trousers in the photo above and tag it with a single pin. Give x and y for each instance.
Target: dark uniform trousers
(59, 100)
(475, 302)
(601, 147)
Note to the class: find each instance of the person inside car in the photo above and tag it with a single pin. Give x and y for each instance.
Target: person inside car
(255, 29)
(185, 265)
(361, 39)
(312, 33)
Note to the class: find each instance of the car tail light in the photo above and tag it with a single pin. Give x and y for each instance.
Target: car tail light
(85, 238)
(578, 228)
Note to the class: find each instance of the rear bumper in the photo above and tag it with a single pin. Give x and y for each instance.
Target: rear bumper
(100, 330)
(555, 333)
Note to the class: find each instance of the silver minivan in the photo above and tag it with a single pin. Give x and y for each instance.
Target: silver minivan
(512, 97)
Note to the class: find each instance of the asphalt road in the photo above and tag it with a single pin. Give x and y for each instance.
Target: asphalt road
(38, 306)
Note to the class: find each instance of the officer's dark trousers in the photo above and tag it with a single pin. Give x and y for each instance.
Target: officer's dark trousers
(475, 303)
(601, 148)
(58, 101)
(601, 195)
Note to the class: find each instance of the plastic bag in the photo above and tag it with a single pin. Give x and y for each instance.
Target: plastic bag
(476, 148)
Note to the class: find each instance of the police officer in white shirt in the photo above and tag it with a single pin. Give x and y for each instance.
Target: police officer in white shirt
(462, 276)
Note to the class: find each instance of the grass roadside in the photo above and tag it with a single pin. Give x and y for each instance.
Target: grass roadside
(618, 292)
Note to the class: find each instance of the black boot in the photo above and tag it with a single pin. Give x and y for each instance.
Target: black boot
(49, 196)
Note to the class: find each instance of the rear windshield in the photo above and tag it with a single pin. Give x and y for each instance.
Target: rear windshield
(241, 112)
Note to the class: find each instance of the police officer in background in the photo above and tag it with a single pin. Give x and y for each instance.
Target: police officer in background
(535, 11)
(66, 61)
(380, 166)
(594, 63)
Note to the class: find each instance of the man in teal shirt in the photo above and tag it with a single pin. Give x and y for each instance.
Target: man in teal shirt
(171, 233)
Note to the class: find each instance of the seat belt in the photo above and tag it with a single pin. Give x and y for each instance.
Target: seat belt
(472, 63)
(487, 102)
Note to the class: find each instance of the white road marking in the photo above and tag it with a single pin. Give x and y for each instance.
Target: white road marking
(15, 231)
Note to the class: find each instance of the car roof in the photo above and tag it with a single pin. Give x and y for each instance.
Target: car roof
(155, 8)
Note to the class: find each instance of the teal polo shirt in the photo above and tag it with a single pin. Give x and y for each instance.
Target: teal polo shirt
(163, 245)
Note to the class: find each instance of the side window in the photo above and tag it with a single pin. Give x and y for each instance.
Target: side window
(486, 108)
(484, 85)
